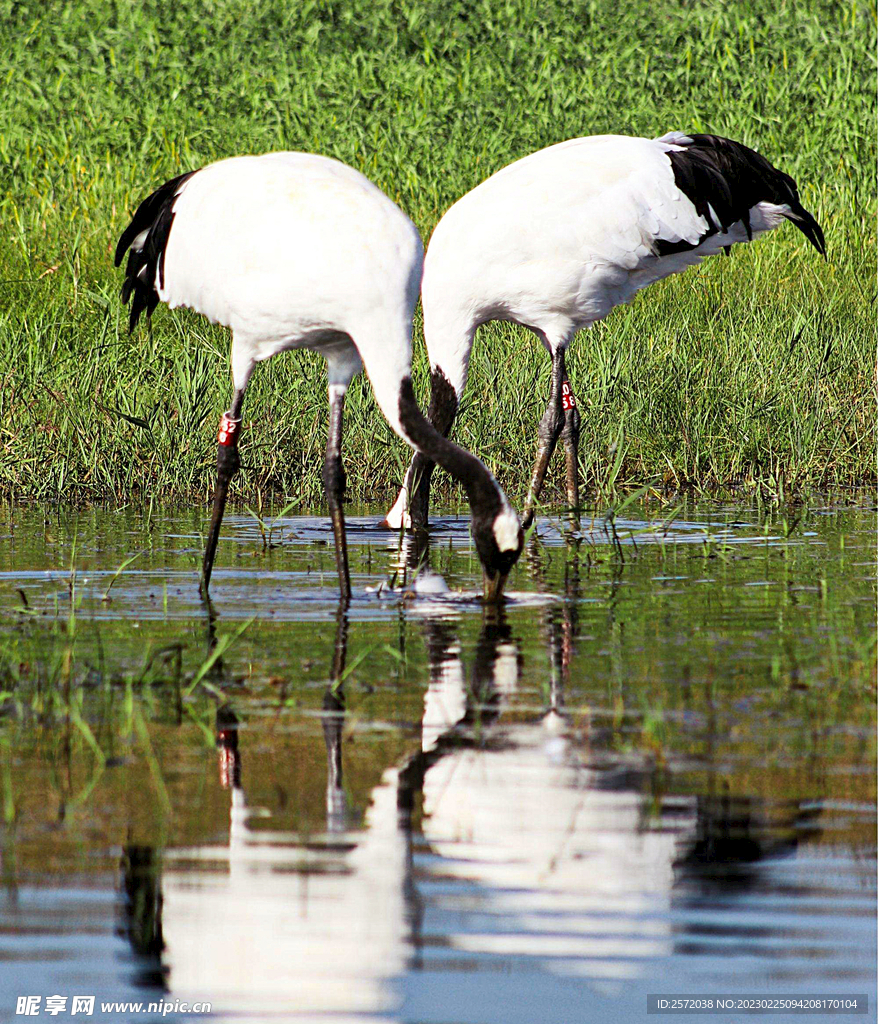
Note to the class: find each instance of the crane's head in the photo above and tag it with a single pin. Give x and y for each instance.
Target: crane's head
(499, 541)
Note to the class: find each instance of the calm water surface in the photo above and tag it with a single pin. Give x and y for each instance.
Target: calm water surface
(652, 772)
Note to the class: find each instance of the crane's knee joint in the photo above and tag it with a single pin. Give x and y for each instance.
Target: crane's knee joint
(227, 461)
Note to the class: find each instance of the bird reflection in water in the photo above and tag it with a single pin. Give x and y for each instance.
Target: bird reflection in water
(268, 923)
(497, 842)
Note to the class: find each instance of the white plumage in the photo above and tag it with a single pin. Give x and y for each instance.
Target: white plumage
(292, 250)
(558, 239)
(587, 214)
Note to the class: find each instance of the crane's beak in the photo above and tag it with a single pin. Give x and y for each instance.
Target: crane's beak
(493, 586)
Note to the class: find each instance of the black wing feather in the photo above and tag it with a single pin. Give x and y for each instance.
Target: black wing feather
(730, 179)
(155, 215)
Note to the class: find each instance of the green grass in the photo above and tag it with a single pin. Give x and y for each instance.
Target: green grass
(754, 370)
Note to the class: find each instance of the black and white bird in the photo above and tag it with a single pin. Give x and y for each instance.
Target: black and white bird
(558, 239)
(293, 250)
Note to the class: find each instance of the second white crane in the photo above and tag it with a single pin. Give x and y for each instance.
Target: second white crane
(558, 239)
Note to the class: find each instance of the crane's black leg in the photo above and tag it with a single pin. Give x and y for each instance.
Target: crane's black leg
(227, 464)
(334, 482)
(417, 481)
(570, 437)
(547, 434)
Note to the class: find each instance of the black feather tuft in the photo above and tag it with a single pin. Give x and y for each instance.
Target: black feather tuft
(724, 180)
(154, 216)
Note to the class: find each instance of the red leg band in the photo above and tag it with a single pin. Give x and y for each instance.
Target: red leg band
(228, 430)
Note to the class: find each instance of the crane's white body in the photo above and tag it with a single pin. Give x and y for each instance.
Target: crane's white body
(273, 247)
(558, 239)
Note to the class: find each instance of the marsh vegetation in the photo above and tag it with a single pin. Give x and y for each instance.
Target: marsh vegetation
(750, 372)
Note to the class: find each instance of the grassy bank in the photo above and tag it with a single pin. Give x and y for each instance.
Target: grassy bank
(754, 370)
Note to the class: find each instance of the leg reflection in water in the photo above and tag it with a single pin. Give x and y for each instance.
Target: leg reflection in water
(333, 727)
(141, 919)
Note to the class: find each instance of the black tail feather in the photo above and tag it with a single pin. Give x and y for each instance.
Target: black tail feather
(146, 262)
(727, 179)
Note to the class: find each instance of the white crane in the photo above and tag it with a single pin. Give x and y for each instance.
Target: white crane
(292, 250)
(558, 239)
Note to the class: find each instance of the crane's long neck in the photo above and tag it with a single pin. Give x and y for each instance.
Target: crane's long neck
(449, 335)
(484, 494)
(415, 493)
(495, 528)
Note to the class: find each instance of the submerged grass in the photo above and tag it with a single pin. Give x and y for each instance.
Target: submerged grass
(754, 370)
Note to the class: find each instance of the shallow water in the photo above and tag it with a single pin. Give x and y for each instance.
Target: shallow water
(653, 772)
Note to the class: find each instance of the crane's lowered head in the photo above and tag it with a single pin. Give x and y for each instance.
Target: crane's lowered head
(499, 541)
